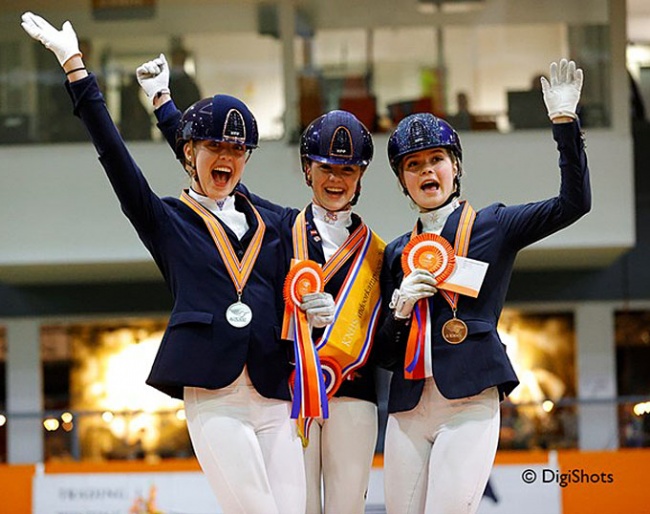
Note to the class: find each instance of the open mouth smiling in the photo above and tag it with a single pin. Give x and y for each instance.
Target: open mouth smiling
(221, 175)
(334, 191)
(430, 185)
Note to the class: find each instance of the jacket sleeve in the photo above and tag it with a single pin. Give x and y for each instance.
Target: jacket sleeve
(169, 117)
(526, 224)
(139, 203)
(286, 213)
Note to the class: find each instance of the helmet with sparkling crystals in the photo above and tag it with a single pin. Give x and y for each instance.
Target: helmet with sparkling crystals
(337, 137)
(218, 118)
(422, 131)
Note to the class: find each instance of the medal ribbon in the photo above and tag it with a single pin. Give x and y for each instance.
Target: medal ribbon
(417, 362)
(239, 271)
(461, 247)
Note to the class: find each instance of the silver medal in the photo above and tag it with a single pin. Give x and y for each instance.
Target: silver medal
(239, 314)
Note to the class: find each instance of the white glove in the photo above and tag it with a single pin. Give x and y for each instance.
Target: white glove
(562, 94)
(416, 286)
(63, 43)
(319, 308)
(153, 76)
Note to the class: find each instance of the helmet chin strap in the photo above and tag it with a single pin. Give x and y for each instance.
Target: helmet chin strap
(346, 207)
(450, 199)
(190, 166)
(357, 194)
(454, 194)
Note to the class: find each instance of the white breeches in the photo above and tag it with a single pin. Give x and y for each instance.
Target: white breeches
(248, 448)
(438, 456)
(340, 452)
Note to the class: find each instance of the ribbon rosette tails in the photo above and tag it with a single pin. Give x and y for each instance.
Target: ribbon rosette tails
(309, 393)
(433, 253)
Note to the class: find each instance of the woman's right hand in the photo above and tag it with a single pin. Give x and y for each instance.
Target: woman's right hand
(63, 43)
(416, 286)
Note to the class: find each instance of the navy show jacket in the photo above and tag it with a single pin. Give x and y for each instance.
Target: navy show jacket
(199, 348)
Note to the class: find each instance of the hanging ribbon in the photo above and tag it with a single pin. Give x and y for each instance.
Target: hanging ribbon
(309, 395)
(434, 254)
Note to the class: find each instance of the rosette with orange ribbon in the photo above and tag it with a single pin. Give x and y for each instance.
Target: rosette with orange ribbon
(309, 392)
(430, 252)
(433, 253)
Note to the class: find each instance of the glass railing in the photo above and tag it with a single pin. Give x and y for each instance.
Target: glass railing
(138, 435)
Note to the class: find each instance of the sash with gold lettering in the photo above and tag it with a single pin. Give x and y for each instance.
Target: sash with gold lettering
(346, 342)
(418, 360)
(239, 271)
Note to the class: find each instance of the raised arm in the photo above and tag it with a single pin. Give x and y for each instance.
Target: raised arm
(153, 77)
(138, 202)
(526, 224)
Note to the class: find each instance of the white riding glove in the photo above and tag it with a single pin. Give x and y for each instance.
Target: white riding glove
(63, 43)
(319, 308)
(153, 76)
(562, 94)
(416, 286)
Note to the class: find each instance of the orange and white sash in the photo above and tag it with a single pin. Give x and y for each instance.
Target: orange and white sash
(418, 363)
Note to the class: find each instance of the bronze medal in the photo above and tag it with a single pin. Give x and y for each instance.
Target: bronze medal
(454, 331)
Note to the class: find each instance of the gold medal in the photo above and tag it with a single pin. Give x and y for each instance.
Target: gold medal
(454, 331)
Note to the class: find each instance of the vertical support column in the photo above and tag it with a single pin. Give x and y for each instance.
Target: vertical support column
(620, 111)
(596, 368)
(287, 35)
(24, 392)
(441, 66)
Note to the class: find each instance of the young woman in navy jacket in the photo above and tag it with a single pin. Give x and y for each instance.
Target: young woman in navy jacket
(224, 263)
(449, 367)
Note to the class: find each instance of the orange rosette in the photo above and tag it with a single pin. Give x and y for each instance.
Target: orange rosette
(304, 277)
(430, 252)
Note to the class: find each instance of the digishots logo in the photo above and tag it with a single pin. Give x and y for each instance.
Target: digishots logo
(573, 476)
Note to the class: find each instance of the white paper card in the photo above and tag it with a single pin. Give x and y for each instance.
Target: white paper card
(466, 278)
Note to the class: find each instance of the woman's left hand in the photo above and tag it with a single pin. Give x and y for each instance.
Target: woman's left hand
(319, 308)
(63, 43)
(153, 76)
(562, 93)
